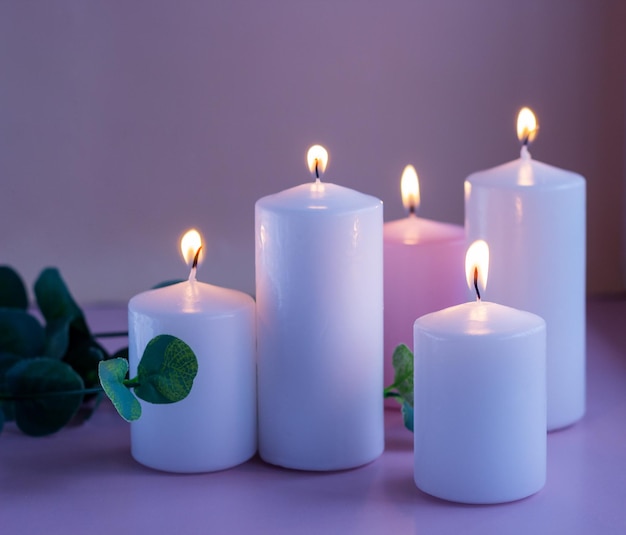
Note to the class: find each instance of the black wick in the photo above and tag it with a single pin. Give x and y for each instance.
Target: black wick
(317, 173)
(525, 141)
(195, 258)
(476, 283)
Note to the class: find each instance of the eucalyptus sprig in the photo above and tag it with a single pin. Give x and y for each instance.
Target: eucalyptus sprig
(165, 375)
(47, 373)
(402, 387)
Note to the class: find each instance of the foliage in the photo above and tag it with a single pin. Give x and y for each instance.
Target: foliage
(165, 374)
(402, 387)
(48, 372)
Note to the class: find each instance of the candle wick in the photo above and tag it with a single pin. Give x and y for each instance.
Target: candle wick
(317, 172)
(412, 210)
(476, 284)
(194, 265)
(195, 258)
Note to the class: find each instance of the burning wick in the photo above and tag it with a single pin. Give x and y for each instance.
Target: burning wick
(317, 173)
(476, 283)
(194, 266)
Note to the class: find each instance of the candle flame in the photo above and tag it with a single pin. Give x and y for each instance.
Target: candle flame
(317, 159)
(527, 126)
(410, 188)
(189, 245)
(477, 266)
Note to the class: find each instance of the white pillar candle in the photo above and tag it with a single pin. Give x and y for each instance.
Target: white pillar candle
(422, 259)
(319, 297)
(480, 403)
(533, 217)
(214, 427)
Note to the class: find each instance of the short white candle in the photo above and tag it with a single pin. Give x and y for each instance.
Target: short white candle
(421, 270)
(215, 426)
(533, 217)
(480, 401)
(319, 284)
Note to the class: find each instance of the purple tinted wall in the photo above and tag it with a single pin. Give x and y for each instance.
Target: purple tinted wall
(124, 123)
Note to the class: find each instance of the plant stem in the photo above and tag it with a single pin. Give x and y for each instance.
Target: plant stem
(131, 383)
(114, 334)
(58, 393)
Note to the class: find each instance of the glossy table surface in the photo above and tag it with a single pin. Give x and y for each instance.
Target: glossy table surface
(83, 480)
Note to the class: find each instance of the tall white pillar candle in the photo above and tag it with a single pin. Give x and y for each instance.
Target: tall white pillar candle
(480, 403)
(214, 427)
(422, 259)
(320, 325)
(533, 217)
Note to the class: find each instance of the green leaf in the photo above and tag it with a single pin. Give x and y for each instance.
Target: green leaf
(7, 406)
(402, 361)
(68, 336)
(407, 415)
(12, 290)
(85, 356)
(112, 374)
(38, 384)
(167, 283)
(166, 370)
(56, 303)
(121, 353)
(57, 337)
(20, 333)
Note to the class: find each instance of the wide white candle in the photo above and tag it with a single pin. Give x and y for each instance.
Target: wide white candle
(421, 259)
(533, 217)
(480, 402)
(215, 426)
(319, 297)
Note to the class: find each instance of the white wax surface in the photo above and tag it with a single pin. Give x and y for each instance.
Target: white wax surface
(215, 426)
(480, 403)
(532, 215)
(424, 262)
(320, 327)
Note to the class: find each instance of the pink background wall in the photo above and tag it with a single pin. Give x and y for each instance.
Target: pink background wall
(124, 123)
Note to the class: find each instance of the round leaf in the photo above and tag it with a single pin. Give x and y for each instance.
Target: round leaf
(41, 407)
(12, 290)
(166, 370)
(84, 356)
(20, 333)
(407, 415)
(56, 302)
(7, 406)
(167, 283)
(57, 337)
(112, 374)
(402, 361)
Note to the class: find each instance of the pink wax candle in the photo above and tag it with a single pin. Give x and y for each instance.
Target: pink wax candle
(422, 259)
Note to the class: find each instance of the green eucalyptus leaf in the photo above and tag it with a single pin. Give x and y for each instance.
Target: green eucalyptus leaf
(85, 356)
(57, 337)
(407, 415)
(7, 406)
(402, 361)
(56, 303)
(166, 370)
(20, 333)
(112, 374)
(121, 353)
(167, 283)
(41, 407)
(12, 290)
